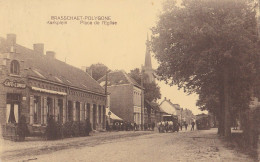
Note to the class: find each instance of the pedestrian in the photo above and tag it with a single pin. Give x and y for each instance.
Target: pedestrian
(135, 126)
(181, 126)
(166, 126)
(186, 126)
(107, 126)
(192, 125)
(153, 125)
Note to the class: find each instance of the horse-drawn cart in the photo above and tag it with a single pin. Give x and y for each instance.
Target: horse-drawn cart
(168, 124)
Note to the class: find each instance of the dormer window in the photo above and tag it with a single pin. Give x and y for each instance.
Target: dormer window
(15, 67)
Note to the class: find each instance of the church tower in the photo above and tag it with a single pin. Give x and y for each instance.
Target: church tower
(147, 68)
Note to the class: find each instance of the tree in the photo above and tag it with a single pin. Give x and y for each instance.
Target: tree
(209, 48)
(98, 70)
(152, 90)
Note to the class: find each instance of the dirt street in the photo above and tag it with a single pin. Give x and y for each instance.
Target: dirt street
(126, 146)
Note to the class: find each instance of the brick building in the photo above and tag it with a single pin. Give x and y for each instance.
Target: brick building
(125, 96)
(37, 86)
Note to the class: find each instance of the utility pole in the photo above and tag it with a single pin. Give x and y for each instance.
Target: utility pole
(142, 99)
(106, 99)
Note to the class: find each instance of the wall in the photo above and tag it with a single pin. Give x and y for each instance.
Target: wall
(121, 101)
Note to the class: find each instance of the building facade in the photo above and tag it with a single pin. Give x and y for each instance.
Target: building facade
(38, 86)
(152, 112)
(125, 96)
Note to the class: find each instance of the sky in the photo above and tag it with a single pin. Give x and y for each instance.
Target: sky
(120, 46)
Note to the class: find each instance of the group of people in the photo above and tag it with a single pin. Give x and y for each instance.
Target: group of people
(121, 126)
(149, 126)
(186, 125)
(170, 126)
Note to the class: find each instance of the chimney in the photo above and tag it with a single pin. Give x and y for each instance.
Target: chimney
(50, 54)
(84, 68)
(11, 39)
(38, 48)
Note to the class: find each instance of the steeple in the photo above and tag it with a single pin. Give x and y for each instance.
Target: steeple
(148, 70)
(148, 62)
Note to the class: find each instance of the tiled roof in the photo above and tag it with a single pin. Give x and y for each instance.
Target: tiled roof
(40, 66)
(118, 77)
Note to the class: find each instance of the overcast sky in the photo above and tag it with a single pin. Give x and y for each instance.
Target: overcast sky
(120, 46)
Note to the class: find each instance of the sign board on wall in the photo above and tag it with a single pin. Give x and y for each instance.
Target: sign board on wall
(14, 84)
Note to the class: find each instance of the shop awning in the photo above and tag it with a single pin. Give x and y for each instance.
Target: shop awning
(49, 91)
(112, 115)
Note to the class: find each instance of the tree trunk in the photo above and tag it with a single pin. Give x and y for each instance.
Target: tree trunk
(227, 125)
(221, 112)
(221, 120)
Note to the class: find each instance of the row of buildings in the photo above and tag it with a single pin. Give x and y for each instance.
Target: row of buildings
(37, 85)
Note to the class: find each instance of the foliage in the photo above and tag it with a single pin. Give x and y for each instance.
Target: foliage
(152, 90)
(52, 130)
(209, 48)
(98, 70)
(76, 129)
(67, 129)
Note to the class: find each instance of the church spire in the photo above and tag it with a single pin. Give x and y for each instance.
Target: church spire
(148, 62)
(148, 70)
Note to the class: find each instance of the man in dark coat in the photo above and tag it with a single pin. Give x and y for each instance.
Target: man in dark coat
(192, 125)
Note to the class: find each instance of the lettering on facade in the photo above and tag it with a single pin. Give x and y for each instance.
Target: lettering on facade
(14, 84)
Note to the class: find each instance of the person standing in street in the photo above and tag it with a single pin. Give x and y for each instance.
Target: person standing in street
(153, 125)
(186, 125)
(192, 126)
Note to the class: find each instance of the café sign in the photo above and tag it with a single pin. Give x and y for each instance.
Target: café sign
(14, 84)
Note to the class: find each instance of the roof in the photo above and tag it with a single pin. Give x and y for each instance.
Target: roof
(51, 69)
(170, 109)
(118, 77)
(153, 105)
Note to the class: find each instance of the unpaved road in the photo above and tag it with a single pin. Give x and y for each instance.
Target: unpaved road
(126, 147)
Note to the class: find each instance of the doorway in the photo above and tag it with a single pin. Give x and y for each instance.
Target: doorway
(13, 107)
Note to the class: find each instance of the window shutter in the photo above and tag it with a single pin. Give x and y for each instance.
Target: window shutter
(31, 109)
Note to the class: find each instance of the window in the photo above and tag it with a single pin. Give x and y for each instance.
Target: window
(37, 110)
(70, 111)
(60, 112)
(15, 67)
(49, 107)
(99, 114)
(77, 111)
(88, 111)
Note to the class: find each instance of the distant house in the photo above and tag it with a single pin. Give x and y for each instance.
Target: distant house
(167, 106)
(152, 112)
(125, 96)
(37, 86)
(175, 109)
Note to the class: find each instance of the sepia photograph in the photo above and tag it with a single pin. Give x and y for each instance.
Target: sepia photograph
(130, 80)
